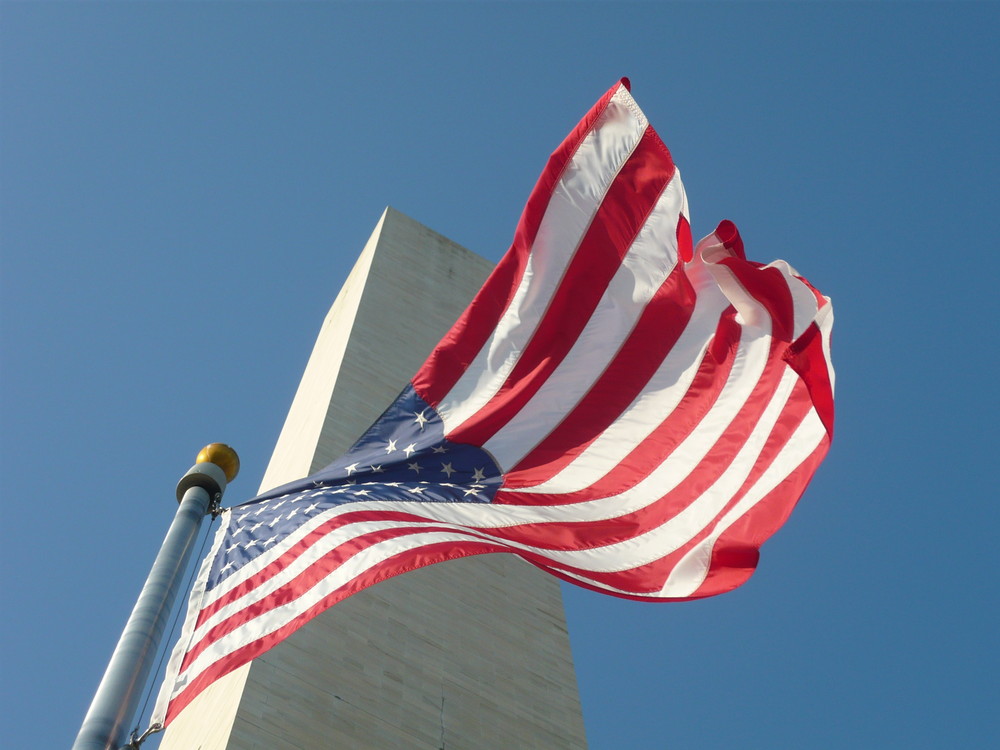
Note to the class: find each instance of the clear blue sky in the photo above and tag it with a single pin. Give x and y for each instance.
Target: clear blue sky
(184, 187)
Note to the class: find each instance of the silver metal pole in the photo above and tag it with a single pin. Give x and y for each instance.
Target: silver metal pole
(199, 491)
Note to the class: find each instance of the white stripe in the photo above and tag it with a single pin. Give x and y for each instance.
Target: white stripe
(184, 641)
(688, 523)
(690, 571)
(665, 389)
(572, 206)
(274, 552)
(824, 321)
(804, 306)
(310, 556)
(716, 289)
(646, 265)
(804, 302)
(277, 617)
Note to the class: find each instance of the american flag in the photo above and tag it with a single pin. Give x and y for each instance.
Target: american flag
(618, 407)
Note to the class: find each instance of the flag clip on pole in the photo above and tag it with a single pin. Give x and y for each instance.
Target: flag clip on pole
(199, 492)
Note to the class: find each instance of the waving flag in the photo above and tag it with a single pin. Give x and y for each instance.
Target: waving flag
(628, 412)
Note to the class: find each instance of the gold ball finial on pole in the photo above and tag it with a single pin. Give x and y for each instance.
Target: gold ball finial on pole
(222, 456)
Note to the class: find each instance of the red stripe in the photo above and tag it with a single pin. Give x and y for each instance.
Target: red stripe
(290, 555)
(770, 289)
(269, 571)
(459, 347)
(317, 571)
(734, 556)
(655, 334)
(388, 568)
(820, 299)
(590, 534)
(650, 577)
(768, 286)
(685, 245)
(306, 579)
(807, 358)
(729, 236)
(625, 209)
(701, 396)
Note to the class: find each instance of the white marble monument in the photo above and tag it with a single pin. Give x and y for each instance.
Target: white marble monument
(471, 654)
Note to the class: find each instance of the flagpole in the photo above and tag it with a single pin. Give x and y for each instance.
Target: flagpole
(198, 493)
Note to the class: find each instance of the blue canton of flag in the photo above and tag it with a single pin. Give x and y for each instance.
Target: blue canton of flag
(404, 456)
